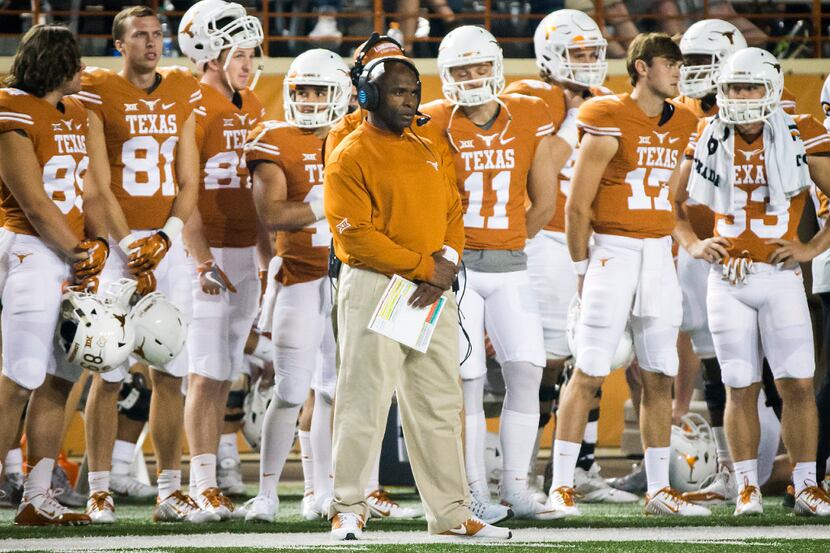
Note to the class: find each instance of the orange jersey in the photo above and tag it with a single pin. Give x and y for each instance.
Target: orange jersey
(59, 140)
(353, 120)
(554, 98)
(298, 153)
(142, 130)
(226, 203)
(633, 195)
(753, 221)
(696, 104)
(822, 205)
(491, 168)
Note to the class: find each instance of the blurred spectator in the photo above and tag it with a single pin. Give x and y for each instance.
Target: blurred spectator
(326, 27)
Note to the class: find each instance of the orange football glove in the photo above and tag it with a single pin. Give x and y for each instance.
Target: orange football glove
(213, 279)
(97, 250)
(146, 253)
(146, 283)
(85, 286)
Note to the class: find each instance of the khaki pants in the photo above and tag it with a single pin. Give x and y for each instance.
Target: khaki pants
(428, 387)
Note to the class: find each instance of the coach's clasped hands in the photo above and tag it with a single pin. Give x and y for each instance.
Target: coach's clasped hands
(146, 253)
(213, 279)
(428, 292)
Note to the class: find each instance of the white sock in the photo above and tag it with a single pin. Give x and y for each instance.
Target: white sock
(517, 434)
(657, 468)
(321, 446)
(169, 481)
(531, 469)
(746, 473)
(99, 481)
(203, 471)
(565, 455)
(724, 458)
(14, 462)
(804, 474)
(591, 432)
(228, 447)
(277, 439)
(39, 479)
(475, 430)
(374, 477)
(122, 457)
(307, 460)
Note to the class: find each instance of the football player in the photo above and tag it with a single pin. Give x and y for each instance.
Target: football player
(821, 287)
(570, 54)
(286, 163)
(705, 47)
(143, 118)
(48, 212)
(749, 164)
(222, 40)
(501, 150)
(628, 159)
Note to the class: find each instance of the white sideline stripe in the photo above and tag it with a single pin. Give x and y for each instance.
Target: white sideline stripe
(543, 537)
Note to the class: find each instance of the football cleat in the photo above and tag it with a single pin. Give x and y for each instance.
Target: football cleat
(669, 502)
(382, 506)
(789, 498)
(717, 489)
(591, 487)
(229, 477)
(260, 509)
(489, 512)
(100, 508)
(44, 510)
(129, 486)
(308, 507)
(64, 492)
(347, 526)
(178, 507)
(633, 482)
(213, 501)
(524, 505)
(477, 528)
(11, 491)
(562, 499)
(748, 501)
(812, 501)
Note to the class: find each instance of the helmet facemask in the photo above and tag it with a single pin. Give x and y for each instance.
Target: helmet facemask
(323, 113)
(561, 67)
(744, 111)
(485, 89)
(698, 80)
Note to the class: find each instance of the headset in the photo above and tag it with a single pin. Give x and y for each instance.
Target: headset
(368, 95)
(357, 69)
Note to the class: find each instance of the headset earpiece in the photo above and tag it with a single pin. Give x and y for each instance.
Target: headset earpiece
(368, 94)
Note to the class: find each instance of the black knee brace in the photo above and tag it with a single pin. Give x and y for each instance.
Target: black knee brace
(773, 397)
(134, 398)
(714, 392)
(236, 400)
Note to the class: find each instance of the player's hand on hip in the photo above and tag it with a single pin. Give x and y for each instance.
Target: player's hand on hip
(146, 253)
(790, 252)
(711, 250)
(213, 279)
(425, 295)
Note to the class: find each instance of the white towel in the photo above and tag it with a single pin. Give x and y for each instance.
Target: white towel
(647, 302)
(711, 182)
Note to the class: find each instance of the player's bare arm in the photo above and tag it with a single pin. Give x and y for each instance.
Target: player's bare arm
(594, 155)
(542, 195)
(711, 249)
(20, 171)
(97, 178)
(187, 172)
(273, 209)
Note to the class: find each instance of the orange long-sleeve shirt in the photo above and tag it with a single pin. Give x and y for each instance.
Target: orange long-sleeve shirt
(391, 202)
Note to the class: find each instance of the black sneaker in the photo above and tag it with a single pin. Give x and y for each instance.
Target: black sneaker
(633, 482)
(789, 498)
(64, 492)
(11, 491)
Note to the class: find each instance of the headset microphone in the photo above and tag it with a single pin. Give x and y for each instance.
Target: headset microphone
(422, 119)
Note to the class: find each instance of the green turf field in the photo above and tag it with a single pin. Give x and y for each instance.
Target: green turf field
(601, 528)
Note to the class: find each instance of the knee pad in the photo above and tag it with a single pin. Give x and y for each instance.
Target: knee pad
(292, 389)
(134, 398)
(521, 382)
(774, 400)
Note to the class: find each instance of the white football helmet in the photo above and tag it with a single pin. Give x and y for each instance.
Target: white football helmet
(160, 329)
(211, 26)
(561, 32)
(625, 349)
(753, 66)
(317, 67)
(256, 403)
(94, 335)
(715, 38)
(693, 456)
(469, 45)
